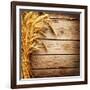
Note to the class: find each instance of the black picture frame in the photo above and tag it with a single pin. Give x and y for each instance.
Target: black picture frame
(13, 44)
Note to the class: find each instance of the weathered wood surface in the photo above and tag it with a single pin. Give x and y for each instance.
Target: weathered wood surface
(59, 47)
(66, 42)
(67, 16)
(54, 61)
(55, 72)
(64, 29)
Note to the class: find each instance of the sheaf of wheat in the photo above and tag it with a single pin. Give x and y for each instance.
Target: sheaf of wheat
(30, 34)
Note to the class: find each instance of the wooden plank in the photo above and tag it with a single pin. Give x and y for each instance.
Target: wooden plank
(58, 47)
(64, 29)
(65, 15)
(56, 72)
(54, 61)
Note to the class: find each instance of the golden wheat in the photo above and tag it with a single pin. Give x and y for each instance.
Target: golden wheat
(30, 34)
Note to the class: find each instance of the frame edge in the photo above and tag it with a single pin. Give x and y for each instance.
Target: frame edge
(13, 45)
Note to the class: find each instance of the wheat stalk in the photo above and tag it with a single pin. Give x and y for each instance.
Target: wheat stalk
(30, 37)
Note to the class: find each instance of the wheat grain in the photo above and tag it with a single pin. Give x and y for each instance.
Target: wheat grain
(30, 34)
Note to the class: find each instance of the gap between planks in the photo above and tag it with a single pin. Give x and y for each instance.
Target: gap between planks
(55, 54)
(54, 68)
(58, 39)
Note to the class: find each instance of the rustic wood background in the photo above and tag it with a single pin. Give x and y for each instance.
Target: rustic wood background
(62, 57)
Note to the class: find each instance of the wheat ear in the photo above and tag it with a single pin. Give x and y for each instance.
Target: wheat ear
(29, 38)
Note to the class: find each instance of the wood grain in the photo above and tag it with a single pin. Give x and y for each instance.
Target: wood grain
(64, 29)
(63, 45)
(59, 47)
(56, 72)
(55, 61)
(64, 15)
